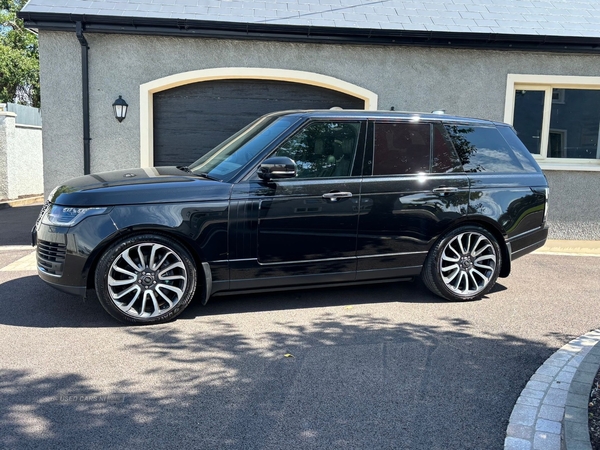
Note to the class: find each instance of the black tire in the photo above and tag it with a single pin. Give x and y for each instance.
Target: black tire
(463, 265)
(145, 279)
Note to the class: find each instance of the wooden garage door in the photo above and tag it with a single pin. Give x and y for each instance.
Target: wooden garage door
(192, 119)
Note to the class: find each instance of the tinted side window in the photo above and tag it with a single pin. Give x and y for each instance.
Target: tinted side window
(521, 152)
(401, 148)
(323, 149)
(483, 149)
(445, 159)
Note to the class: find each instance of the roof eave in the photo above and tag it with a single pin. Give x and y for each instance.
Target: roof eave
(307, 33)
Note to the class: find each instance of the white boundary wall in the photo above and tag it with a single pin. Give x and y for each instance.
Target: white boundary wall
(21, 159)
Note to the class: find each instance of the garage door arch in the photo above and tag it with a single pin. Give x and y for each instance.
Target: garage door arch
(332, 88)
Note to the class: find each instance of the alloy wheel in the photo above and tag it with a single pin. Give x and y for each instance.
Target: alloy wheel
(147, 280)
(468, 263)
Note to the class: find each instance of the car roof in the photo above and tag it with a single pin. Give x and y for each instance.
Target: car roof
(383, 115)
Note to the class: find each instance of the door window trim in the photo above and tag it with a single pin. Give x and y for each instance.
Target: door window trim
(359, 153)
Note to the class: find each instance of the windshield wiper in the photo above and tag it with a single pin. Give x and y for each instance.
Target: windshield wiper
(207, 176)
(201, 174)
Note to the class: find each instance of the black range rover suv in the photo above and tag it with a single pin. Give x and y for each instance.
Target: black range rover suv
(301, 198)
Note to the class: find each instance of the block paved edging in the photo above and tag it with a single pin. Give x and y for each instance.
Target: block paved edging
(552, 411)
(575, 425)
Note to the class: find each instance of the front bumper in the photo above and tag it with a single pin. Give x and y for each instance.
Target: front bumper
(65, 255)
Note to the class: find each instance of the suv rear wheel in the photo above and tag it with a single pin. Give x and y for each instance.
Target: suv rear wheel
(463, 265)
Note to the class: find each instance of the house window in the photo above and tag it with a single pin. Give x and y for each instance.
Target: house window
(557, 118)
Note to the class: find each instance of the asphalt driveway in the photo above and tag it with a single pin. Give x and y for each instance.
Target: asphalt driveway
(16, 224)
(381, 366)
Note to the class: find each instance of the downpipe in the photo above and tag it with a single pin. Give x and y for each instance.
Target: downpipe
(85, 97)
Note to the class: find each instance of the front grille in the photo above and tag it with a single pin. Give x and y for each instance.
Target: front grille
(51, 257)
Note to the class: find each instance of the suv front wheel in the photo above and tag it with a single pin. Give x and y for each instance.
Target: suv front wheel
(463, 265)
(147, 278)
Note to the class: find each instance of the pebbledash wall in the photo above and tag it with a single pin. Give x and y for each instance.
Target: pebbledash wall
(462, 82)
(21, 168)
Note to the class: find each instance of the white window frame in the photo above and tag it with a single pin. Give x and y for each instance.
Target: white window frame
(546, 83)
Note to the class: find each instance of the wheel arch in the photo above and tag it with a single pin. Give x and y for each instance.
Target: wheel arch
(127, 233)
(493, 228)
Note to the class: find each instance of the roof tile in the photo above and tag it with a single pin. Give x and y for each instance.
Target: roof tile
(471, 15)
(550, 17)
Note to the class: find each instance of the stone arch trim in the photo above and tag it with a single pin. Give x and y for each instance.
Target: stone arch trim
(147, 90)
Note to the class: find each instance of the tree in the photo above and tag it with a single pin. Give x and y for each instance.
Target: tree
(19, 57)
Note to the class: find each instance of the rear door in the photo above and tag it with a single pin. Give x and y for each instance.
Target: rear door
(413, 188)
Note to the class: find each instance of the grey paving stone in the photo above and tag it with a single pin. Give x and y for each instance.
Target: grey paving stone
(588, 367)
(529, 401)
(549, 412)
(564, 377)
(577, 400)
(577, 431)
(579, 445)
(548, 426)
(546, 441)
(541, 377)
(511, 443)
(574, 414)
(585, 376)
(555, 397)
(523, 415)
(531, 393)
(557, 362)
(538, 385)
(580, 388)
(519, 431)
(561, 385)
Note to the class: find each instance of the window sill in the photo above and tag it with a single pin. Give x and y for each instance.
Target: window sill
(579, 166)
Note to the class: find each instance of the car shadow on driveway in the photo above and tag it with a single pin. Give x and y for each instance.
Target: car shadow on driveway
(395, 292)
(357, 382)
(41, 306)
(29, 302)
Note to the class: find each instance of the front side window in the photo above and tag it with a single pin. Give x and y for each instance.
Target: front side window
(323, 149)
(557, 122)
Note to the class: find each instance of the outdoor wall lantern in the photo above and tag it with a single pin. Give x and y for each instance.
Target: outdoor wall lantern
(120, 109)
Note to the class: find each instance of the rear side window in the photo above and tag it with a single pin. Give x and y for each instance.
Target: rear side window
(521, 152)
(445, 159)
(401, 148)
(484, 149)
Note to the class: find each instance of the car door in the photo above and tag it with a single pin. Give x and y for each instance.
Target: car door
(413, 188)
(302, 228)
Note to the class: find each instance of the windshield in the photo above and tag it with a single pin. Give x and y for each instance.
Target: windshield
(229, 157)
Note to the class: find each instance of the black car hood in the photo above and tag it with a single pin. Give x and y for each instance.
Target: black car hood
(138, 186)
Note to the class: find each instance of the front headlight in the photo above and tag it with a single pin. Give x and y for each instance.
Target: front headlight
(68, 216)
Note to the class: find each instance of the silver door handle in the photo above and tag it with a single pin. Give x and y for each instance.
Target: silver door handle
(445, 190)
(335, 196)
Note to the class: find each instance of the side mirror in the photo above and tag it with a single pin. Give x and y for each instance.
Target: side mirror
(277, 167)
